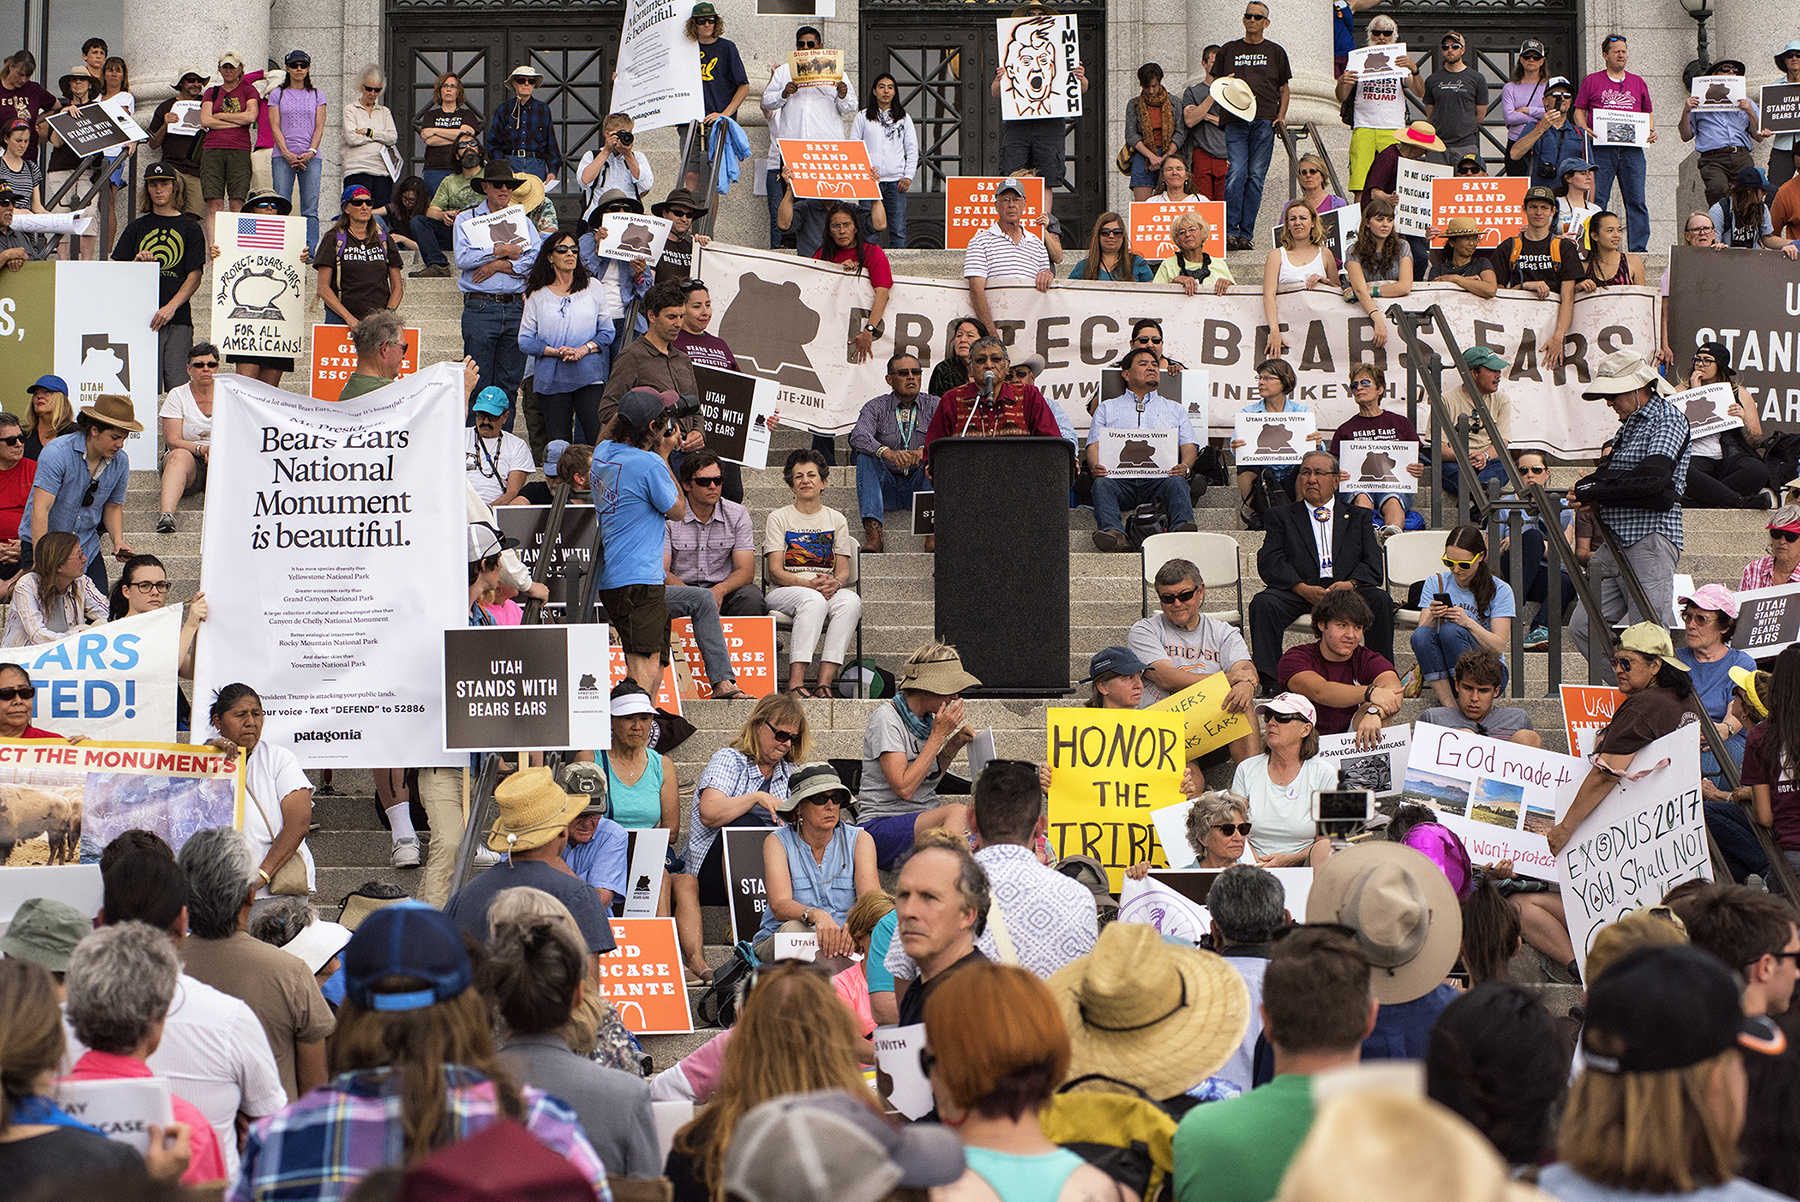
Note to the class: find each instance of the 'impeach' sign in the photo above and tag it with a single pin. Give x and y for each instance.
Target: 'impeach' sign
(1108, 770)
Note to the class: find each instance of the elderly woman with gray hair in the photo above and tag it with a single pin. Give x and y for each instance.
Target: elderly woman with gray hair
(120, 983)
(1218, 826)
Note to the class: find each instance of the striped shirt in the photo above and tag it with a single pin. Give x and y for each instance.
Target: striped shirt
(992, 254)
(734, 774)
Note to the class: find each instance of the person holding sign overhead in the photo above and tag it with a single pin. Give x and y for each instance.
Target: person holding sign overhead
(1279, 785)
(1725, 141)
(816, 864)
(1140, 407)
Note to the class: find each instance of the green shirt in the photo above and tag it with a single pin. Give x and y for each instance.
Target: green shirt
(358, 384)
(1237, 1150)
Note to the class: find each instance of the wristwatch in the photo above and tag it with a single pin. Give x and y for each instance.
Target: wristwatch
(875, 329)
(1374, 709)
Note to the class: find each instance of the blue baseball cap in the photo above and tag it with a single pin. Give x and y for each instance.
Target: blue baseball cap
(1567, 165)
(552, 454)
(49, 384)
(406, 939)
(492, 400)
(1119, 661)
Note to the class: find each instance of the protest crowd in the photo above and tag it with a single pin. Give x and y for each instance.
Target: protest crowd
(1576, 935)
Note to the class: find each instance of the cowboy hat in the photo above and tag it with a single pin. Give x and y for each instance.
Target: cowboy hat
(1235, 96)
(1402, 909)
(533, 808)
(943, 673)
(1420, 134)
(111, 410)
(681, 196)
(268, 196)
(614, 196)
(1150, 1014)
(1619, 372)
(499, 171)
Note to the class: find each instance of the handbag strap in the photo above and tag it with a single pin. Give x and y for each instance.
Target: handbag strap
(1002, 937)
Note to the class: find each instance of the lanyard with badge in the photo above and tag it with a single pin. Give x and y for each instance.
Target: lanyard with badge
(492, 458)
(908, 424)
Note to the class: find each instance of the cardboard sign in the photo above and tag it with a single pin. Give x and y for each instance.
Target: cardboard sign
(260, 286)
(334, 359)
(904, 1082)
(1038, 57)
(1138, 454)
(744, 878)
(646, 857)
(574, 542)
(1617, 127)
(1645, 837)
(1496, 204)
(1500, 799)
(751, 644)
(1781, 107)
(1275, 439)
(628, 237)
(78, 886)
(94, 128)
(969, 207)
(668, 693)
(1110, 768)
(1588, 710)
(1378, 465)
(1717, 93)
(485, 231)
(1412, 195)
(1380, 769)
(525, 688)
(1152, 237)
(1768, 620)
(1376, 61)
(924, 513)
(1704, 407)
(1174, 900)
(815, 66)
(795, 945)
(123, 1109)
(734, 414)
(1201, 708)
(642, 977)
(394, 161)
(829, 170)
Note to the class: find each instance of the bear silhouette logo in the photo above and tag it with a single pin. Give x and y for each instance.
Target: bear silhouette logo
(1718, 91)
(1699, 410)
(1375, 62)
(505, 234)
(1378, 468)
(588, 683)
(1275, 437)
(105, 366)
(636, 237)
(643, 885)
(1137, 453)
(760, 423)
(768, 326)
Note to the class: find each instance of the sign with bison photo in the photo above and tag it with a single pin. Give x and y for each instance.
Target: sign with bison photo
(629, 236)
(1137, 453)
(1378, 466)
(1274, 439)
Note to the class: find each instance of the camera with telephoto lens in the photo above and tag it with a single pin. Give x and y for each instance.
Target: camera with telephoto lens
(687, 405)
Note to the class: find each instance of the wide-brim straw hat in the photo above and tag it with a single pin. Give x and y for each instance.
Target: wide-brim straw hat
(1422, 134)
(114, 411)
(533, 807)
(1154, 1015)
(1462, 227)
(1404, 912)
(942, 674)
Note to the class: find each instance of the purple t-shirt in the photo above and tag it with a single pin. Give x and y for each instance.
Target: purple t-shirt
(1361, 668)
(299, 112)
(1599, 91)
(706, 350)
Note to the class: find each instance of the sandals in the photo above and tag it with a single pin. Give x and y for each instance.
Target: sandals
(736, 694)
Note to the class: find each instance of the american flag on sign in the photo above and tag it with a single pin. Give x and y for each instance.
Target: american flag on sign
(261, 233)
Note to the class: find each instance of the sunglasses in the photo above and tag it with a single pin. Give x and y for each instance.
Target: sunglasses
(567, 248)
(1382, 33)
(87, 498)
(1450, 45)
(1019, 373)
(1112, 233)
(371, 87)
(1181, 598)
(1255, 17)
(1460, 563)
(1280, 718)
(683, 214)
(1786, 536)
(788, 737)
(1532, 54)
(907, 371)
(1363, 383)
(710, 481)
(14, 441)
(1146, 340)
(1242, 828)
(24, 692)
(806, 45)
(1309, 171)
(1621, 664)
(355, 201)
(1532, 471)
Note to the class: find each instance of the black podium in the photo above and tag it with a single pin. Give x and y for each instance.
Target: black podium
(1002, 569)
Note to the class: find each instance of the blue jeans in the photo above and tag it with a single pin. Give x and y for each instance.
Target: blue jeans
(434, 177)
(1110, 496)
(1626, 164)
(1248, 145)
(1492, 473)
(1709, 763)
(879, 488)
(772, 181)
(1727, 823)
(434, 239)
(536, 167)
(1437, 649)
(308, 178)
(702, 608)
(894, 201)
(490, 330)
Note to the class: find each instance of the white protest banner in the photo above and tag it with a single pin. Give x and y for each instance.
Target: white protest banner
(504, 227)
(627, 236)
(1500, 799)
(525, 688)
(1174, 900)
(1588, 710)
(1376, 61)
(1137, 454)
(55, 223)
(1412, 196)
(260, 287)
(52, 791)
(122, 1109)
(113, 681)
(657, 79)
(790, 320)
(187, 118)
(1038, 57)
(335, 556)
(1645, 837)
(734, 414)
(1617, 127)
(1716, 93)
(1274, 439)
(1704, 408)
(101, 337)
(646, 857)
(904, 1083)
(1381, 769)
(1378, 465)
(1781, 107)
(1768, 620)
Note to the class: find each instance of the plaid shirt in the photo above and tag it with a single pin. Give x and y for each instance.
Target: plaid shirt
(319, 1147)
(734, 774)
(1657, 428)
(524, 131)
(1760, 573)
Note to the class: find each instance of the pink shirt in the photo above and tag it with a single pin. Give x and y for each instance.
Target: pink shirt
(1601, 91)
(853, 987)
(208, 1164)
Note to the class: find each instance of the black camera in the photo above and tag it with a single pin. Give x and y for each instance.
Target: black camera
(685, 406)
(623, 135)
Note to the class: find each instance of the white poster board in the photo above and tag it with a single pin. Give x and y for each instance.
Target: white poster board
(1704, 407)
(648, 856)
(1500, 798)
(1378, 465)
(1166, 899)
(897, 1055)
(504, 227)
(657, 79)
(1038, 57)
(114, 681)
(1137, 454)
(627, 236)
(103, 340)
(187, 118)
(1275, 439)
(1380, 769)
(1617, 127)
(260, 285)
(1717, 93)
(1412, 195)
(1373, 62)
(123, 1109)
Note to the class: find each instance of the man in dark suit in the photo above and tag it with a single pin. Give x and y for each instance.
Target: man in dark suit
(1296, 572)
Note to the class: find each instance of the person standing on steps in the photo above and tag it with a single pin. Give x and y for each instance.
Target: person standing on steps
(1614, 89)
(723, 85)
(523, 130)
(1456, 100)
(493, 283)
(889, 444)
(1261, 65)
(173, 241)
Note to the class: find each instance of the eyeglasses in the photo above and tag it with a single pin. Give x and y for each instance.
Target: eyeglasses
(907, 371)
(1319, 471)
(1309, 171)
(1533, 471)
(1181, 598)
(710, 481)
(1696, 615)
(1019, 373)
(1704, 358)
(23, 692)
(1112, 233)
(1241, 828)
(1460, 563)
(150, 586)
(1786, 536)
(1699, 229)
(1281, 719)
(788, 737)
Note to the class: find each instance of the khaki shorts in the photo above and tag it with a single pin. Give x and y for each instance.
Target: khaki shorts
(640, 613)
(225, 174)
(190, 196)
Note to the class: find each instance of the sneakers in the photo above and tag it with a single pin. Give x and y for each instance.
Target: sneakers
(436, 271)
(1765, 499)
(406, 853)
(487, 857)
(1111, 540)
(165, 523)
(1186, 528)
(1538, 639)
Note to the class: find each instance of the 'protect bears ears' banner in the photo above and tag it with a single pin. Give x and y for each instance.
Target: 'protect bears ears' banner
(112, 681)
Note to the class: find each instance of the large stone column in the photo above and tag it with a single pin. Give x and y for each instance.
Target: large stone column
(163, 38)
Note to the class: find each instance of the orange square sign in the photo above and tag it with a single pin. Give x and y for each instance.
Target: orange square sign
(1151, 219)
(969, 207)
(1496, 204)
(751, 644)
(829, 170)
(668, 694)
(642, 977)
(334, 358)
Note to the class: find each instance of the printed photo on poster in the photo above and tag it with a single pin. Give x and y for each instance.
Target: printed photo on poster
(1617, 127)
(1378, 466)
(1381, 769)
(1499, 798)
(1038, 57)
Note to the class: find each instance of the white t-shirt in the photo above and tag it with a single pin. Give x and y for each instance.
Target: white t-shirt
(1380, 102)
(272, 774)
(809, 542)
(196, 426)
(489, 467)
(1281, 815)
(1210, 647)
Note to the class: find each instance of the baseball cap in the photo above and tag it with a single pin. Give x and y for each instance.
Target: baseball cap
(45, 931)
(354, 192)
(1531, 46)
(297, 58)
(1650, 639)
(1289, 703)
(1532, 194)
(49, 383)
(704, 10)
(156, 171)
(1560, 83)
(552, 454)
(1483, 356)
(407, 939)
(830, 1147)
(641, 406)
(1664, 1008)
(492, 400)
(1117, 660)
(232, 58)
(486, 541)
(1715, 597)
(6, 193)
(1567, 165)
(1010, 185)
(318, 943)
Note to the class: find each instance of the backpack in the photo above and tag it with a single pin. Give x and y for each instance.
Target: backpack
(718, 1006)
(1128, 1136)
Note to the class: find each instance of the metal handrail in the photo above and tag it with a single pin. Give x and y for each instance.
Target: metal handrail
(1311, 131)
(475, 822)
(103, 248)
(540, 568)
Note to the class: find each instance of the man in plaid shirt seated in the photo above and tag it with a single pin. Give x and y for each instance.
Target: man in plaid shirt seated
(1635, 495)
